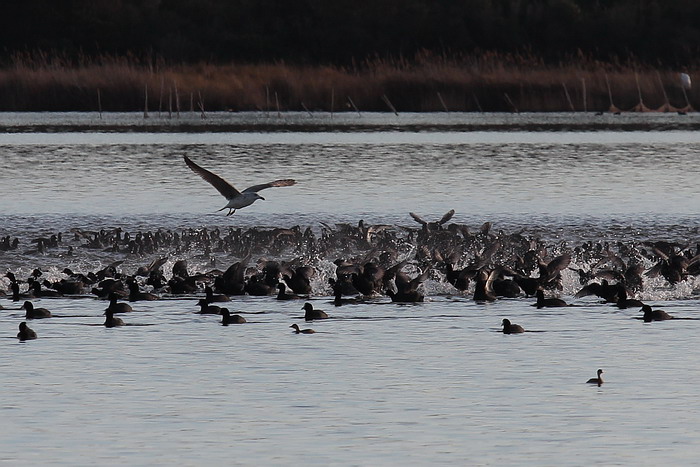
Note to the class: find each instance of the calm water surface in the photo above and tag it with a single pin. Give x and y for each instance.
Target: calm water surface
(378, 383)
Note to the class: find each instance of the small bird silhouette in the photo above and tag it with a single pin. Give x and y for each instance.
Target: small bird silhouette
(597, 380)
(301, 331)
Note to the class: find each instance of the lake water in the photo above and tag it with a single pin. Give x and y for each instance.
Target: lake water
(379, 383)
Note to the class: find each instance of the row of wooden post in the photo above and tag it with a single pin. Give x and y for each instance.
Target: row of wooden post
(385, 99)
(200, 103)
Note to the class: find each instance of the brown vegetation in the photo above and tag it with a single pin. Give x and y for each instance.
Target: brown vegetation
(488, 82)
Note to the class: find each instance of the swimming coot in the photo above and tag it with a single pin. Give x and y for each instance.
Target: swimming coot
(312, 314)
(111, 321)
(301, 331)
(25, 332)
(510, 328)
(227, 318)
(35, 313)
(598, 380)
(654, 315)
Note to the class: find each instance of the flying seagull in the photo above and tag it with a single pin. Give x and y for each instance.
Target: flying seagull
(236, 199)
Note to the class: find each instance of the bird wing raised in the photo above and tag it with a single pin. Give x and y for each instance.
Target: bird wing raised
(417, 218)
(262, 186)
(221, 185)
(558, 264)
(416, 281)
(448, 215)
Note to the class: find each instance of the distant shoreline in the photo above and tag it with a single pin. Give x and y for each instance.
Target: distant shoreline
(23, 124)
(489, 83)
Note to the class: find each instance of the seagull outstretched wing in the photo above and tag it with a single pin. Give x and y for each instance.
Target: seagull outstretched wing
(262, 186)
(225, 188)
(221, 185)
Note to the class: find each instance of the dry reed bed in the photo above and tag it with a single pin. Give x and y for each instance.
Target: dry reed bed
(487, 83)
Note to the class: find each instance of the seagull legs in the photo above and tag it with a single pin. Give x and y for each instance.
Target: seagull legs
(230, 210)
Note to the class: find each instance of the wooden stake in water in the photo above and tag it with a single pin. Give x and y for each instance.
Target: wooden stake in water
(639, 107)
(177, 101)
(267, 100)
(568, 97)
(170, 103)
(145, 106)
(303, 106)
(160, 97)
(478, 105)
(613, 108)
(667, 103)
(352, 104)
(389, 104)
(99, 103)
(201, 105)
(332, 102)
(277, 103)
(507, 97)
(442, 102)
(585, 103)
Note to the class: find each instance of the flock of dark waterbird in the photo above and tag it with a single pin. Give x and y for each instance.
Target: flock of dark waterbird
(485, 264)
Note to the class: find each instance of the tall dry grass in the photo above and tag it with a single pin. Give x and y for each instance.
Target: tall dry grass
(486, 82)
